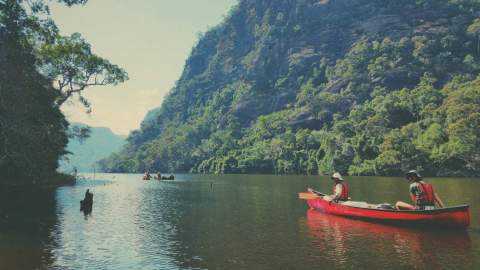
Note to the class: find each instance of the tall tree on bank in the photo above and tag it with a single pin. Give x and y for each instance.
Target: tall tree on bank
(33, 130)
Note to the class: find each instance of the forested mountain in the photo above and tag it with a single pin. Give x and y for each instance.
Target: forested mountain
(365, 87)
(100, 143)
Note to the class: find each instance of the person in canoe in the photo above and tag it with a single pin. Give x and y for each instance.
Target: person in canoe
(421, 193)
(147, 176)
(340, 189)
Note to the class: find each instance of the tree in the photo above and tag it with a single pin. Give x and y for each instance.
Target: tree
(67, 61)
(33, 130)
(399, 154)
(70, 63)
(462, 125)
(474, 30)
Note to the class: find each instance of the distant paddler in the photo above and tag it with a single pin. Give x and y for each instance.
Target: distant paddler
(147, 176)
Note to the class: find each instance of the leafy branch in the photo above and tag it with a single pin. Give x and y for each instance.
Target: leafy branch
(72, 66)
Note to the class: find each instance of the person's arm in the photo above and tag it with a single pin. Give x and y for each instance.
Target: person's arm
(438, 200)
(414, 199)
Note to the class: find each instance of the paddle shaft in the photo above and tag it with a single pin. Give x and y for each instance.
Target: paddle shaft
(316, 192)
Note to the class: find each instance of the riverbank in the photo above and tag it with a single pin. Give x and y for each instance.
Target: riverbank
(61, 179)
(53, 181)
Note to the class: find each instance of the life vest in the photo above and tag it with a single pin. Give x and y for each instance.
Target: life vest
(344, 195)
(426, 196)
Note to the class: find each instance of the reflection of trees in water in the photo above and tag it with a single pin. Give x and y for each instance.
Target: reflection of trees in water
(241, 224)
(358, 244)
(235, 225)
(27, 218)
(196, 219)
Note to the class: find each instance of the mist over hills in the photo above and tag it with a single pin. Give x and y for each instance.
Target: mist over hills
(101, 143)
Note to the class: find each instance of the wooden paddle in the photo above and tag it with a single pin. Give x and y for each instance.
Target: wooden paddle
(307, 196)
(312, 194)
(316, 192)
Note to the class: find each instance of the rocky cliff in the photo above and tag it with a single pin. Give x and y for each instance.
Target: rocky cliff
(312, 86)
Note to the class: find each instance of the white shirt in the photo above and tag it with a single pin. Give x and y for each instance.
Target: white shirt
(338, 191)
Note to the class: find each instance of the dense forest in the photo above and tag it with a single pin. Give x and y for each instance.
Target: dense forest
(39, 71)
(366, 87)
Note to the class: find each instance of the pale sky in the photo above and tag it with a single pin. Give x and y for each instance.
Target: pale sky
(150, 39)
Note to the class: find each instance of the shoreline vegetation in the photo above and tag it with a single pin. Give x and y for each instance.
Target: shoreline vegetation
(54, 181)
(286, 88)
(364, 87)
(40, 70)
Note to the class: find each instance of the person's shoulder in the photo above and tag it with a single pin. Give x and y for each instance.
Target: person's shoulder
(414, 185)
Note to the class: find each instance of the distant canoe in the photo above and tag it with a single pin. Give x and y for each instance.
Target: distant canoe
(455, 216)
(171, 177)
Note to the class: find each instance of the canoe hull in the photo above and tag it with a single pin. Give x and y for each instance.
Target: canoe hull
(457, 216)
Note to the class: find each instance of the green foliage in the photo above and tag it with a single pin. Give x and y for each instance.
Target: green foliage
(67, 61)
(297, 87)
(70, 63)
(462, 118)
(33, 130)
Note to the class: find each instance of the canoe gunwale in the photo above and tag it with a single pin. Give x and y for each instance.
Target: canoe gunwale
(433, 211)
(454, 216)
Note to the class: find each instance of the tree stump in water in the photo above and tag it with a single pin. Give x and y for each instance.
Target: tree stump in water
(87, 203)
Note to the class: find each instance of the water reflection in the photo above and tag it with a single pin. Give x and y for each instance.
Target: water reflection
(27, 217)
(216, 222)
(350, 242)
(129, 227)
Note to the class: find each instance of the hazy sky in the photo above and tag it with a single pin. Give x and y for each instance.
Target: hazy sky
(151, 39)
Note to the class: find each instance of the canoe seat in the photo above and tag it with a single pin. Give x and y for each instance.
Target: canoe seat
(357, 204)
(385, 206)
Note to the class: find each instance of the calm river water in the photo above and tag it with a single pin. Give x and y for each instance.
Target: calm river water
(224, 222)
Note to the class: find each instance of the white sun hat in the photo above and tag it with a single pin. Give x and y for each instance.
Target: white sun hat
(337, 176)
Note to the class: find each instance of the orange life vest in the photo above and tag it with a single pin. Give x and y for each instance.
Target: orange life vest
(426, 196)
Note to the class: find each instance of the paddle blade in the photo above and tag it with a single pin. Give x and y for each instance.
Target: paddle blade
(307, 196)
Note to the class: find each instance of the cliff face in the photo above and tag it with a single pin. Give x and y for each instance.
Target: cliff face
(277, 72)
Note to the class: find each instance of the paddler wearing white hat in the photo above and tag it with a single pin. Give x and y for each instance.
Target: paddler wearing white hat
(340, 189)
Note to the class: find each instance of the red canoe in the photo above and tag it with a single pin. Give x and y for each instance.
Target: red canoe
(456, 216)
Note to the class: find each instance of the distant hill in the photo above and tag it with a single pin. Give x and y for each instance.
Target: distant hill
(101, 143)
(364, 87)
